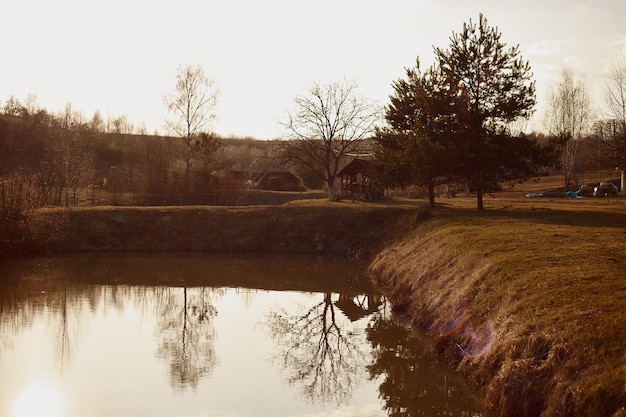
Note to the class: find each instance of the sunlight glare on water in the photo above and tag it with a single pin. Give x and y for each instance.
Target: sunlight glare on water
(40, 398)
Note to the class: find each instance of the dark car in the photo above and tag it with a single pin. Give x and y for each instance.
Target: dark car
(605, 189)
(585, 191)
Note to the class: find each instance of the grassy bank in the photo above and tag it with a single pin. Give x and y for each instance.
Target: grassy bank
(298, 227)
(527, 299)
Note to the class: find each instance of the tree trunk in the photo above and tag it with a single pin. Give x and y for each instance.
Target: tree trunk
(431, 196)
(479, 199)
(331, 192)
(187, 164)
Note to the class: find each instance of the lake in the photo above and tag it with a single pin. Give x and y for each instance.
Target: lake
(207, 335)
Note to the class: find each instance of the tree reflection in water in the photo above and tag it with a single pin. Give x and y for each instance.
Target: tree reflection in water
(184, 318)
(186, 334)
(413, 384)
(322, 346)
(320, 350)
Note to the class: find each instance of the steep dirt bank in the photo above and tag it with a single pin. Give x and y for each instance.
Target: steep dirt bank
(535, 342)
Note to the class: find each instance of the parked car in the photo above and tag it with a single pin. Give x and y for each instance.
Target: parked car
(605, 189)
(585, 191)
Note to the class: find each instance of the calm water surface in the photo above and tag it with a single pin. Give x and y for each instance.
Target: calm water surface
(207, 335)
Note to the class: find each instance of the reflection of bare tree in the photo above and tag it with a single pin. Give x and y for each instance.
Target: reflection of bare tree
(186, 333)
(321, 350)
(68, 318)
(52, 301)
(68, 304)
(64, 340)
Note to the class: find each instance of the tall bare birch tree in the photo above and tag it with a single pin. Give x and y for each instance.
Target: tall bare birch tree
(191, 108)
(568, 117)
(615, 103)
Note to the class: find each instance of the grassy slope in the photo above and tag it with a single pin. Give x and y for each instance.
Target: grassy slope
(528, 299)
(297, 227)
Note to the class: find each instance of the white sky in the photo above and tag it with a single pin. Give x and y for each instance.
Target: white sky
(121, 56)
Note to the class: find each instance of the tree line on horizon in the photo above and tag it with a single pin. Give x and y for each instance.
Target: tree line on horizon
(454, 122)
(55, 157)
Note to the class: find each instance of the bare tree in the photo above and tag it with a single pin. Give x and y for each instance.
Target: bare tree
(191, 107)
(96, 123)
(120, 125)
(568, 117)
(73, 153)
(325, 125)
(614, 128)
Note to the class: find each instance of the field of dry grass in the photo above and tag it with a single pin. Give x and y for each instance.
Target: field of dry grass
(527, 298)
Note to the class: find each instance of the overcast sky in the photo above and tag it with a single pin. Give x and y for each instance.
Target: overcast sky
(121, 56)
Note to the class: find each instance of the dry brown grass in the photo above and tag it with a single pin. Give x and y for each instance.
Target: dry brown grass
(312, 226)
(527, 298)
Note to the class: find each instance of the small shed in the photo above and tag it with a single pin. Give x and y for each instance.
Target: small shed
(279, 181)
(356, 181)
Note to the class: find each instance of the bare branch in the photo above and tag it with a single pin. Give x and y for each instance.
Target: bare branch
(325, 125)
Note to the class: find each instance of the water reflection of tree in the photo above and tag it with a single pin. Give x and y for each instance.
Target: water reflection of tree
(25, 300)
(413, 385)
(185, 329)
(320, 349)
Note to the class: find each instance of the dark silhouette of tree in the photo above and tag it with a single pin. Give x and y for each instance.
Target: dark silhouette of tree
(325, 125)
(495, 84)
(422, 119)
(319, 350)
(205, 146)
(413, 383)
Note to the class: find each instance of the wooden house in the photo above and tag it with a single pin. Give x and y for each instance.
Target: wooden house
(278, 181)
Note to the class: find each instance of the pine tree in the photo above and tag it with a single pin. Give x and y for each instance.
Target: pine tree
(496, 85)
(414, 147)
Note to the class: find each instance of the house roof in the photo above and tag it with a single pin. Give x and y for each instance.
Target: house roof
(279, 174)
(357, 166)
